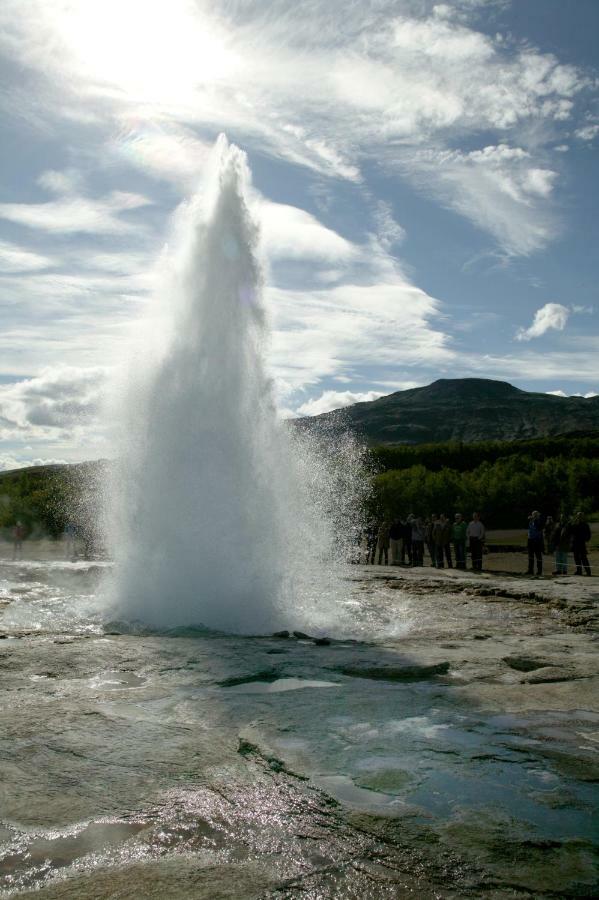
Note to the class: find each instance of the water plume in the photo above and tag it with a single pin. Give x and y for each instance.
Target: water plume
(218, 514)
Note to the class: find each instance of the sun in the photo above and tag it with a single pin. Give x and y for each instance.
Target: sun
(151, 50)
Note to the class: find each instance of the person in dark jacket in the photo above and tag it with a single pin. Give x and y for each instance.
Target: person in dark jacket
(418, 535)
(548, 530)
(581, 534)
(561, 541)
(458, 537)
(535, 542)
(383, 543)
(429, 527)
(395, 533)
(372, 535)
(406, 540)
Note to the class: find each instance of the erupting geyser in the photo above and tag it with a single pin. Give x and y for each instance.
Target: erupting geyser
(216, 518)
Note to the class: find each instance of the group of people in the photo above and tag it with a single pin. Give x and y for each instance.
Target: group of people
(560, 538)
(402, 541)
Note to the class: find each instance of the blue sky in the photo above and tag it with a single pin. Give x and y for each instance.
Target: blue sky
(425, 175)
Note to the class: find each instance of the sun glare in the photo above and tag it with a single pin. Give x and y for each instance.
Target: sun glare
(153, 50)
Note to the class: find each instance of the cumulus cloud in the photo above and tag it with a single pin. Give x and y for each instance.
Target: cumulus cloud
(552, 316)
(330, 400)
(560, 393)
(11, 461)
(587, 132)
(57, 402)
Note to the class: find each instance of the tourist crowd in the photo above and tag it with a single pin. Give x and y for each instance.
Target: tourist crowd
(402, 541)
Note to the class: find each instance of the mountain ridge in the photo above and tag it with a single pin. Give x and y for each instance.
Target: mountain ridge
(463, 409)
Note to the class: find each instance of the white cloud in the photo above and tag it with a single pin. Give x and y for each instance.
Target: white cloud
(350, 328)
(10, 461)
(389, 232)
(14, 258)
(78, 214)
(292, 233)
(67, 181)
(330, 400)
(587, 133)
(166, 151)
(57, 402)
(586, 396)
(328, 89)
(552, 316)
(498, 187)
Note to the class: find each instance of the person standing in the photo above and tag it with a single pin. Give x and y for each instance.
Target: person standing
(548, 530)
(535, 543)
(18, 535)
(406, 540)
(372, 534)
(446, 541)
(436, 541)
(418, 533)
(458, 537)
(429, 528)
(395, 533)
(383, 543)
(561, 540)
(70, 533)
(476, 538)
(581, 534)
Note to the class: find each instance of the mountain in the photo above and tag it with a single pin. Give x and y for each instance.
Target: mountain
(464, 409)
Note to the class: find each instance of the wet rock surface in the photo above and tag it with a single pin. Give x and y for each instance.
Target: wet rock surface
(448, 748)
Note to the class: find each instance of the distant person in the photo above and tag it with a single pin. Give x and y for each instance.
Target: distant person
(436, 541)
(561, 541)
(383, 543)
(441, 536)
(458, 539)
(429, 531)
(406, 540)
(395, 536)
(418, 535)
(70, 533)
(446, 538)
(372, 534)
(535, 543)
(548, 530)
(18, 536)
(475, 533)
(581, 535)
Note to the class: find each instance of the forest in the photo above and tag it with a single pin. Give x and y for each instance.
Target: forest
(503, 481)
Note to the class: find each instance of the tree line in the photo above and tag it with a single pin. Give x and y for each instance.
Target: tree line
(557, 476)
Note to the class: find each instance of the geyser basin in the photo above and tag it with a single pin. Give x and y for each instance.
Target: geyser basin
(144, 764)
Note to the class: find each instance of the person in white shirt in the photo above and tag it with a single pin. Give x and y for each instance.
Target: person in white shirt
(476, 538)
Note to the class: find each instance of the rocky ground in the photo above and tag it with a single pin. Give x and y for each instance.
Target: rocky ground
(453, 753)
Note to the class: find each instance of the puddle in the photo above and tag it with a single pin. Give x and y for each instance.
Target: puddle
(280, 685)
(115, 680)
(23, 860)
